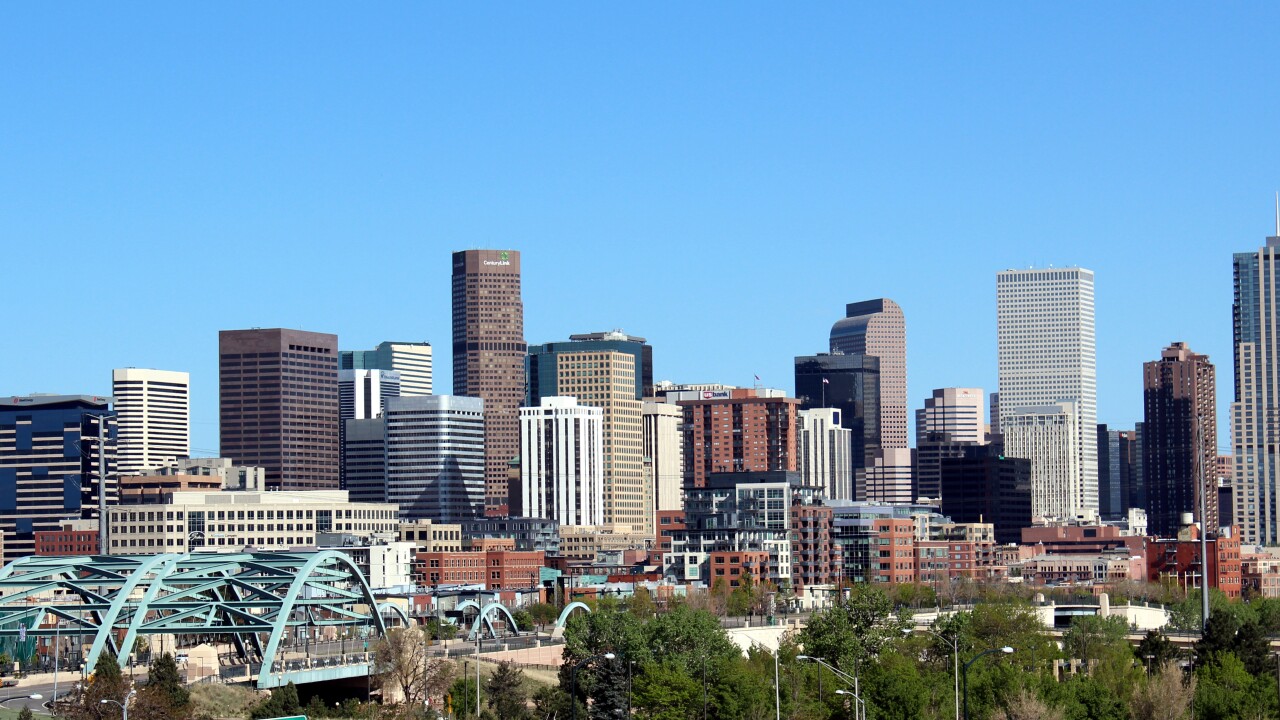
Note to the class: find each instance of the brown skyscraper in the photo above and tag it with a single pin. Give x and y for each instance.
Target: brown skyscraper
(488, 356)
(278, 399)
(877, 327)
(748, 430)
(1180, 439)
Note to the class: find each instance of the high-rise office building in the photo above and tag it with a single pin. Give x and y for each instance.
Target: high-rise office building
(362, 394)
(488, 357)
(664, 447)
(1255, 432)
(1046, 347)
(49, 464)
(412, 360)
(153, 410)
(562, 461)
(1047, 436)
(878, 328)
(1181, 448)
(981, 485)
(1119, 481)
(435, 457)
(888, 478)
(278, 405)
(824, 446)
(950, 420)
(364, 459)
(733, 431)
(850, 383)
(605, 370)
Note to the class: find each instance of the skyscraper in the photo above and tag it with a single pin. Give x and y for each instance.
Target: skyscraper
(1181, 448)
(1119, 473)
(363, 393)
(825, 446)
(850, 383)
(412, 360)
(1047, 436)
(435, 457)
(737, 431)
(878, 328)
(981, 485)
(562, 461)
(605, 370)
(1045, 342)
(664, 447)
(1256, 434)
(488, 356)
(364, 459)
(49, 462)
(153, 409)
(278, 402)
(950, 420)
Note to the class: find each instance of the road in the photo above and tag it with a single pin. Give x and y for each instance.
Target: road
(16, 698)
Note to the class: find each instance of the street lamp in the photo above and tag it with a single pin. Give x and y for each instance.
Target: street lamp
(1006, 650)
(124, 706)
(857, 702)
(36, 696)
(841, 675)
(573, 680)
(955, 659)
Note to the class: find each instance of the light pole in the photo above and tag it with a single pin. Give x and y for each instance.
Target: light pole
(1149, 658)
(841, 675)
(955, 660)
(1006, 650)
(124, 706)
(36, 696)
(573, 680)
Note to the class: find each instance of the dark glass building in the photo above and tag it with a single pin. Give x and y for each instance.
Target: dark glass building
(1119, 467)
(49, 465)
(1180, 440)
(985, 486)
(850, 383)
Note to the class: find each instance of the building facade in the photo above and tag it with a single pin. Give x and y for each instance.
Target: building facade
(411, 360)
(278, 405)
(606, 371)
(49, 464)
(950, 421)
(435, 457)
(1181, 442)
(562, 461)
(982, 485)
(878, 328)
(664, 446)
(153, 410)
(851, 384)
(727, 431)
(825, 447)
(1047, 354)
(488, 356)
(888, 478)
(1120, 485)
(1047, 436)
(364, 459)
(232, 476)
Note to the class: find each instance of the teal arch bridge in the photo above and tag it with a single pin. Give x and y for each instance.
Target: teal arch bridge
(274, 618)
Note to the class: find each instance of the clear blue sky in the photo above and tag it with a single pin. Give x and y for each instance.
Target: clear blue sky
(719, 179)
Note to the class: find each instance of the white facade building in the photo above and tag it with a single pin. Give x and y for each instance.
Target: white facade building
(957, 412)
(411, 359)
(1047, 436)
(888, 479)
(824, 452)
(562, 461)
(1045, 341)
(154, 414)
(362, 394)
(664, 446)
(435, 457)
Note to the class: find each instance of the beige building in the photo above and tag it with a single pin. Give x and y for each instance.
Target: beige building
(664, 447)
(153, 410)
(432, 536)
(582, 542)
(234, 521)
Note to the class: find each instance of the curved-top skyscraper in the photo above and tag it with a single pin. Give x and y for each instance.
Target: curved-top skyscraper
(877, 327)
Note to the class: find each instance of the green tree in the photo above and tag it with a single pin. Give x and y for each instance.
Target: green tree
(462, 697)
(895, 689)
(25, 713)
(1226, 691)
(164, 680)
(665, 691)
(543, 614)
(1155, 650)
(552, 703)
(505, 691)
(282, 702)
(1238, 634)
(1093, 700)
(1166, 695)
(524, 621)
(106, 683)
(855, 628)
(641, 603)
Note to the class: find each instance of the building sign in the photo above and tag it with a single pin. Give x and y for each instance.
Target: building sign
(715, 395)
(504, 258)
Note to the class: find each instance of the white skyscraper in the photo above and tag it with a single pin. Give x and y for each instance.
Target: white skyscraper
(562, 461)
(411, 360)
(1045, 339)
(435, 457)
(363, 393)
(154, 408)
(1047, 436)
(664, 446)
(824, 448)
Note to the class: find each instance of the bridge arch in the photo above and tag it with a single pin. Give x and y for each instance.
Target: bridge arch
(558, 630)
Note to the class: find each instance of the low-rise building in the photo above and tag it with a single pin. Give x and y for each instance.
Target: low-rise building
(385, 564)
(235, 521)
(232, 476)
(1179, 560)
(1105, 568)
(1259, 574)
(496, 569)
(529, 533)
(432, 536)
(586, 542)
(75, 537)
(732, 567)
(157, 489)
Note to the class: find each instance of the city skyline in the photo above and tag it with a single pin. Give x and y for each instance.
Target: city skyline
(819, 153)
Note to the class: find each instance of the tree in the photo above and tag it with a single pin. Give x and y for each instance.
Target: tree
(462, 697)
(665, 691)
(163, 679)
(505, 691)
(641, 603)
(106, 683)
(1166, 695)
(25, 713)
(401, 662)
(282, 702)
(1155, 650)
(552, 703)
(855, 628)
(1026, 705)
(543, 614)
(895, 690)
(1092, 637)
(1226, 691)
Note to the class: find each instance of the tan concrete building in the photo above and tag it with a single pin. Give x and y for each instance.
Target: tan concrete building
(234, 521)
(432, 537)
(582, 542)
(878, 328)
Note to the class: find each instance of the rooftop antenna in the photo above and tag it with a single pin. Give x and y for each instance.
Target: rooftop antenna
(1278, 213)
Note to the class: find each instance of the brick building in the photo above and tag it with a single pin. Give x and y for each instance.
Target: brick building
(731, 431)
(497, 569)
(75, 537)
(1179, 560)
(815, 558)
(732, 566)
